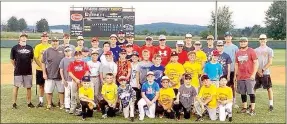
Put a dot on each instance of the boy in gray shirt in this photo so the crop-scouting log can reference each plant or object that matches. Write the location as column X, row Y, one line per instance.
column 144, row 67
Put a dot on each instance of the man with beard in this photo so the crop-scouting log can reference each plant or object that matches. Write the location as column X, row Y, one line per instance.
column 66, row 43
column 209, row 47
column 246, row 66
column 21, row 58
column 121, row 42
column 188, row 43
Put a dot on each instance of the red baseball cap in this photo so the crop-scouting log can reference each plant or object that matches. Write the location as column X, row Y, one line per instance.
column 215, row 53
column 66, row 35
column 109, row 53
column 95, row 39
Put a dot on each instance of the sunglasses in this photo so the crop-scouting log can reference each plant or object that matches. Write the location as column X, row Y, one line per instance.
column 180, row 46
column 262, row 39
column 197, row 44
column 219, row 45
column 55, row 41
column 162, row 40
column 187, row 78
column 148, row 39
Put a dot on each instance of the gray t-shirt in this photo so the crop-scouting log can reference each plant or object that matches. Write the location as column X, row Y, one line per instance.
column 70, row 46
column 100, row 50
column 109, row 67
column 64, row 64
column 224, row 60
column 52, row 59
column 143, row 68
column 231, row 50
column 263, row 54
column 187, row 95
column 208, row 51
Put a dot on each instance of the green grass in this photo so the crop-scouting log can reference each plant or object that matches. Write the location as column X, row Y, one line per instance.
column 39, row 115
column 279, row 54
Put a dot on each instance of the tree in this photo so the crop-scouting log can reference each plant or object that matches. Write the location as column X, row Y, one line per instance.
column 173, row 33
column 204, row 34
column 42, row 25
column 275, row 20
column 145, row 32
column 22, row 24
column 246, row 32
column 161, row 32
column 224, row 21
column 13, row 24
column 4, row 26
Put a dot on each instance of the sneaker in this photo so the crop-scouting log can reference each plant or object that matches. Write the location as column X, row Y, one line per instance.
column 40, row 105
column 67, row 110
column 132, row 119
column 83, row 118
column 141, row 118
column 62, row 107
column 30, row 105
column 199, row 118
column 14, row 106
column 252, row 112
column 48, row 107
column 243, row 110
column 230, row 119
column 270, row 108
column 104, row 116
column 160, row 115
column 72, row 111
column 248, row 109
column 235, row 106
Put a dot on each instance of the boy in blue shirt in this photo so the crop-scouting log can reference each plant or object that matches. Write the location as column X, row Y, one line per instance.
column 157, row 69
column 213, row 69
column 150, row 93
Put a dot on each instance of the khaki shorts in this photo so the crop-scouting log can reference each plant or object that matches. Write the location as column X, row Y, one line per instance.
column 50, row 85
column 23, row 80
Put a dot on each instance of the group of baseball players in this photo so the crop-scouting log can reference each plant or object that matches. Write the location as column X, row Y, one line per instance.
column 122, row 77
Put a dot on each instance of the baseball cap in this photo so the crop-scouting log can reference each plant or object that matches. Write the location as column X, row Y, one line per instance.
column 44, row 34
column 219, row 43
column 188, row 36
column 123, row 51
column 148, row 38
column 161, row 37
column 95, row 39
column 77, row 53
column 23, row 34
column 129, row 34
column 243, row 39
column 121, row 32
column 150, row 73
column 164, row 78
column 85, row 49
column 55, row 39
column 204, row 77
column 173, row 53
column 68, row 49
column 113, row 35
column 210, row 37
column 122, row 78
column 129, row 44
column 66, row 35
column 227, row 34
column 197, row 42
column 94, row 52
column 215, row 53
column 262, row 36
column 180, row 42
column 86, row 79
column 187, row 76
column 80, row 38
column 135, row 53
column 109, row 53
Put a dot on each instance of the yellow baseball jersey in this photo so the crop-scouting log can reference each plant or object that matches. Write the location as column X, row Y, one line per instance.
column 200, row 57
column 110, row 91
column 78, row 48
column 87, row 92
column 166, row 95
column 206, row 92
column 174, row 71
column 194, row 69
column 38, row 52
column 224, row 93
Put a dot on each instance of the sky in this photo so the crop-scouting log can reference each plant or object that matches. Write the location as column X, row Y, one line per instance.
column 199, row 13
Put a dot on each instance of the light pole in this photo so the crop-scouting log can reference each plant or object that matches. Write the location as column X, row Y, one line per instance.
column 215, row 26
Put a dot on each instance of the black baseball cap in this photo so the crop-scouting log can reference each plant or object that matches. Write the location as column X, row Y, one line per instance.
column 86, row 79
column 227, row 34
column 135, row 53
column 204, row 77
column 123, row 51
column 173, row 53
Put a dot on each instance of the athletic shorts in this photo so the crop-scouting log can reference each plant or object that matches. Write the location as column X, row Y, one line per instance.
column 51, row 84
column 23, row 80
column 245, row 86
column 231, row 82
column 264, row 82
column 39, row 78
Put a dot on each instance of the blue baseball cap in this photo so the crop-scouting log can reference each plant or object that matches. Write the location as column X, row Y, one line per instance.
column 227, row 34
column 86, row 79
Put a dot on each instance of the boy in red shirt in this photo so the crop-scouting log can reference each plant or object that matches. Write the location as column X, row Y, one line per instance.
column 163, row 50
column 130, row 38
column 77, row 70
column 182, row 54
column 148, row 46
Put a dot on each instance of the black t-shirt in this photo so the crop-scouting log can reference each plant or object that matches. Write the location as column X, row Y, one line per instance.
column 121, row 45
column 23, row 56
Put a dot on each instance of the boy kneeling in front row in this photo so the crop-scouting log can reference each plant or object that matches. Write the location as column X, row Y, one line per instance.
column 224, row 99
column 86, row 96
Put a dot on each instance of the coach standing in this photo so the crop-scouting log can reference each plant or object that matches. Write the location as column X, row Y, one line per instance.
column 246, row 66
column 38, row 54
column 22, row 57
column 163, row 50
column 66, row 43
column 209, row 48
column 51, row 73
column 188, row 43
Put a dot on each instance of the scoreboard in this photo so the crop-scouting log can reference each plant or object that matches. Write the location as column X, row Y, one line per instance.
column 101, row 21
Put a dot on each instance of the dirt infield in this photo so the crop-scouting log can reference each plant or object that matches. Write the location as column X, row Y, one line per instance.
column 278, row 74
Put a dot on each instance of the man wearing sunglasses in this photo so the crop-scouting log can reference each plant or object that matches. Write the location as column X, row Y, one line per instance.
column 182, row 54
column 209, row 47
column 265, row 56
column 188, row 43
column 163, row 50
column 148, row 46
column 38, row 53
column 246, row 66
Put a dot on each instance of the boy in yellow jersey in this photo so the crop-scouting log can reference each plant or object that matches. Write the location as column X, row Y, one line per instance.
column 201, row 57
column 110, row 95
column 86, row 96
column 38, row 54
column 174, row 71
column 80, row 42
column 193, row 68
column 206, row 99
column 224, row 100
column 165, row 100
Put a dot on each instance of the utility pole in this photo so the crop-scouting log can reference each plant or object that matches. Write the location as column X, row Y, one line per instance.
column 215, row 26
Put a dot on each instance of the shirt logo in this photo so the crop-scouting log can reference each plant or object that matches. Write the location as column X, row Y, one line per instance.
column 164, row 53
column 24, row 51
column 243, row 58
column 149, row 90
column 78, row 68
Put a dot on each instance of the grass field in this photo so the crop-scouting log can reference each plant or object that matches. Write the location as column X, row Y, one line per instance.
column 40, row 115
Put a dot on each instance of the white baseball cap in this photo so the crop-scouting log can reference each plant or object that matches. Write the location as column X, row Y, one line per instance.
column 263, row 36
column 80, row 38
column 150, row 73
column 179, row 42
column 197, row 42
column 113, row 35
column 164, row 78
column 161, row 37
column 188, row 35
